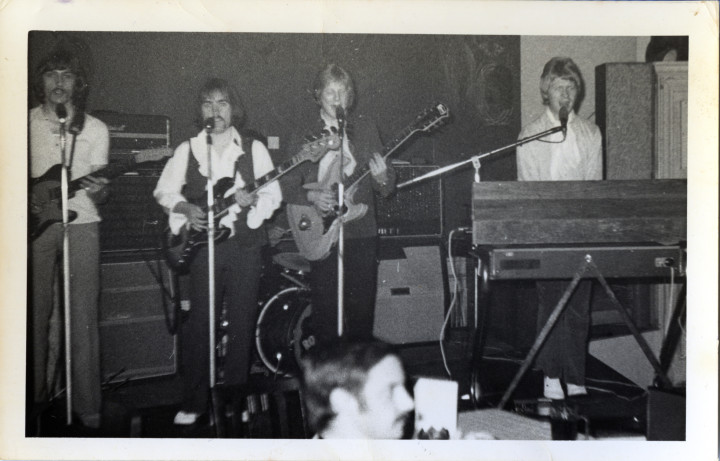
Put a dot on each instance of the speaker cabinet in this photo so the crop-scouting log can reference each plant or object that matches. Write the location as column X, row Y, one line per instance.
column 415, row 210
column 625, row 114
column 131, row 218
column 410, row 302
column 136, row 315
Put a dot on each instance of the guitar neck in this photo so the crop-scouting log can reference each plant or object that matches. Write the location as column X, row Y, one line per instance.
column 388, row 149
column 262, row 181
column 110, row 171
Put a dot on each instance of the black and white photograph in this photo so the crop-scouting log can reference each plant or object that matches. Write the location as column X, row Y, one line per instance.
column 252, row 232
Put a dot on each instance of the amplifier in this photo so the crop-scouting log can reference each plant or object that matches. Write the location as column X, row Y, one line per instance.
column 414, row 210
column 131, row 218
column 133, row 132
column 136, row 318
column 562, row 262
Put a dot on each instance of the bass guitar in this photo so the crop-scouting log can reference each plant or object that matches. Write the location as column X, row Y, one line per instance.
column 314, row 233
column 46, row 194
column 181, row 247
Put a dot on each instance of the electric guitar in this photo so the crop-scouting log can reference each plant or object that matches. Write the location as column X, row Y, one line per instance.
column 45, row 207
column 180, row 248
column 314, row 233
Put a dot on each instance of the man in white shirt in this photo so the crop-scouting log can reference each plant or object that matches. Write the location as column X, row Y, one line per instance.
column 60, row 84
column 571, row 156
column 182, row 191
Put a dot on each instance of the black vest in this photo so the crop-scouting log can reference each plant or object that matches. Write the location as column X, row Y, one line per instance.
column 195, row 191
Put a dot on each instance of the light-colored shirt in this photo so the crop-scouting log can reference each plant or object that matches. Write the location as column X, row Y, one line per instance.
column 578, row 157
column 168, row 191
column 330, row 159
column 91, row 154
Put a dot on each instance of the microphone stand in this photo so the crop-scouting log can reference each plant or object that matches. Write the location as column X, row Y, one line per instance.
column 341, row 225
column 211, row 254
column 475, row 160
column 64, row 193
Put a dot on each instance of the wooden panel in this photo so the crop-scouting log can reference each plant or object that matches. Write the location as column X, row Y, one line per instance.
column 552, row 212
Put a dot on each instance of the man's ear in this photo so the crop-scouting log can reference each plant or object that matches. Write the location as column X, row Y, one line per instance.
column 343, row 402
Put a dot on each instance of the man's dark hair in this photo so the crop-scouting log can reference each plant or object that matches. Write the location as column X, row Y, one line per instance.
column 63, row 59
column 222, row 86
column 340, row 364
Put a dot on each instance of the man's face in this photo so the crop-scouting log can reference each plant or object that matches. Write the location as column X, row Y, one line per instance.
column 217, row 106
column 59, row 85
column 385, row 403
column 334, row 94
column 562, row 92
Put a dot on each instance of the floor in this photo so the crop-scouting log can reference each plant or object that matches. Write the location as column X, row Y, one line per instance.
column 146, row 407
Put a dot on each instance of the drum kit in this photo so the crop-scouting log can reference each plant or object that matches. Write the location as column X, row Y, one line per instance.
column 279, row 337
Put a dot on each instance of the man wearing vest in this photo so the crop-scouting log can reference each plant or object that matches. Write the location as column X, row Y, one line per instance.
column 181, row 190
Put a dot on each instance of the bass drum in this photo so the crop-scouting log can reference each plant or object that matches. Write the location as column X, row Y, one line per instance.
column 279, row 332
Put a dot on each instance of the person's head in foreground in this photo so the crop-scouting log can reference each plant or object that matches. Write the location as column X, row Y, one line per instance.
column 356, row 390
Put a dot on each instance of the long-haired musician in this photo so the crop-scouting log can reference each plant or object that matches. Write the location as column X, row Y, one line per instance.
column 576, row 155
column 60, row 83
column 334, row 89
column 182, row 191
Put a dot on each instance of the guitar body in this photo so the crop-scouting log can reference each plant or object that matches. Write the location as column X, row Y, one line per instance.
column 46, row 207
column 315, row 234
column 181, row 248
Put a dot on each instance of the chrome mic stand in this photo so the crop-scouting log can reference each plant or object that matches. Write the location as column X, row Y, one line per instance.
column 475, row 159
column 340, row 116
column 61, row 113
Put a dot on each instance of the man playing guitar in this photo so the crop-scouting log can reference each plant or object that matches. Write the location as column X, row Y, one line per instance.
column 333, row 89
column 181, row 190
column 60, row 84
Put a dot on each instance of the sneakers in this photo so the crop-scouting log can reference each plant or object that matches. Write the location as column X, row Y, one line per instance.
column 185, row 418
column 575, row 390
column 553, row 389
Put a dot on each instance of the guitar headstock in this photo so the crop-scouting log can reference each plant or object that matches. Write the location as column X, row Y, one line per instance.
column 432, row 118
column 315, row 150
column 153, row 155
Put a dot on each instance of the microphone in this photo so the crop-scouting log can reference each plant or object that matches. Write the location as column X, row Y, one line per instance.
column 563, row 119
column 61, row 113
column 209, row 124
column 340, row 115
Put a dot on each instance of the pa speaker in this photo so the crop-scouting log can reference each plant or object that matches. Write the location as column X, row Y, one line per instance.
column 410, row 302
column 137, row 320
column 626, row 116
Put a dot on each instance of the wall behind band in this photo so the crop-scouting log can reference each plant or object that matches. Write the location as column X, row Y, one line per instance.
column 396, row 77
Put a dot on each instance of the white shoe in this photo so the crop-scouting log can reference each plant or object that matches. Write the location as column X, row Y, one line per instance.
column 185, row 418
column 553, row 389
column 574, row 390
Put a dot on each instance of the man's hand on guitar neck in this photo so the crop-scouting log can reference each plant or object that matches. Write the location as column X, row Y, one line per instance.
column 194, row 214
column 324, row 200
column 245, row 199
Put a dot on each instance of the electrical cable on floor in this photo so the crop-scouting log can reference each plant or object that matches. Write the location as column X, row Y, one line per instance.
column 452, row 302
